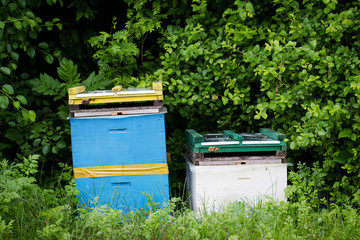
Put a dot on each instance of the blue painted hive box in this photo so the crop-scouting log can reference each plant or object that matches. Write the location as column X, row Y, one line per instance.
column 119, row 158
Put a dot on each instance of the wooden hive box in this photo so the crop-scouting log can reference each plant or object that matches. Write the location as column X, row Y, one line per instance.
column 211, row 188
column 117, row 101
column 119, row 158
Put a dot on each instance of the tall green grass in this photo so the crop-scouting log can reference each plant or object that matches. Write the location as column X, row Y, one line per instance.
column 30, row 212
column 270, row 220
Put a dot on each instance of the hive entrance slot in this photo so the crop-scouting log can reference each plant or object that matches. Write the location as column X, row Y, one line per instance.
column 121, row 184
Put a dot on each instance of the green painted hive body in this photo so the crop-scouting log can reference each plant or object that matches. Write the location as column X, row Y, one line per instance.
column 264, row 141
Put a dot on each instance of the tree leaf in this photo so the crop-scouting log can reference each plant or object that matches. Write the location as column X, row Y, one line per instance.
column 8, row 89
column 61, row 144
column 22, row 99
column 21, row 3
column 225, row 100
column 321, row 132
column 249, row 7
column 46, row 148
column 18, row 25
column 49, row 59
column 33, row 34
column 242, row 14
column 46, row 85
column 345, row 133
column 43, row 45
column 37, row 142
column 5, row 70
column 32, row 116
column 4, row 102
column 16, row 104
column 15, row 56
column 25, row 114
column 68, row 71
column 31, row 52
column 54, row 149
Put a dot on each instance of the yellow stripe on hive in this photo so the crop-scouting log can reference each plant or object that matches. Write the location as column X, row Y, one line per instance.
column 121, row 170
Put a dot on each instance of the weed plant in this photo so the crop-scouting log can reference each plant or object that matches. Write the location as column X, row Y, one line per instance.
column 30, row 212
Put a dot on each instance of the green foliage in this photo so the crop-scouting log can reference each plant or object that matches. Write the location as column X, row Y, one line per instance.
column 122, row 55
column 19, row 43
column 307, row 185
column 19, row 27
column 240, row 65
column 23, row 202
column 68, row 73
column 295, row 71
column 29, row 212
column 287, row 65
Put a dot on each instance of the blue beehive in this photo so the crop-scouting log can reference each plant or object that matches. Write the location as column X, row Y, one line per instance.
column 119, row 158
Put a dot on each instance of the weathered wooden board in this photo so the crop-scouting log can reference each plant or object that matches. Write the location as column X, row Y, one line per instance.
column 118, row 109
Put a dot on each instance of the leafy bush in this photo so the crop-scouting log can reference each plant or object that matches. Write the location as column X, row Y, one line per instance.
column 295, row 71
column 25, row 207
column 239, row 65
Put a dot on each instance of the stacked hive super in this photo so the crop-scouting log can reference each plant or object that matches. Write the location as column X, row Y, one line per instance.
column 228, row 167
column 118, row 146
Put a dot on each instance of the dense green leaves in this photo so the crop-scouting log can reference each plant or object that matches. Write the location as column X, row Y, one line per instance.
column 292, row 71
column 292, row 66
column 46, row 85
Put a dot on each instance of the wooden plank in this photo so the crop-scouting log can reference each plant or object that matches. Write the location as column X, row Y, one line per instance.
column 116, row 109
column 281, row 154
column 76, row 90
column 157, row 86
column 116, row 89
column 193, row 137
column 115, row 99
column 78, row 95
column 193, row 155
column 220, row 143
column 115, row 112
column 233, row 135
column 272, row 134
column 260, row 142
column 237, row 148
column 239, row 162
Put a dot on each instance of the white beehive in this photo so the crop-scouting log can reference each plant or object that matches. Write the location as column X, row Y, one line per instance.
column 211, row 188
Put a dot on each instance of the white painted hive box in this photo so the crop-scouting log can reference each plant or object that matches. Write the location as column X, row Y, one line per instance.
column 211, row 188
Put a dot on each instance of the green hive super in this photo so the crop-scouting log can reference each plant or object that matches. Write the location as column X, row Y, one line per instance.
column 118, row 147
